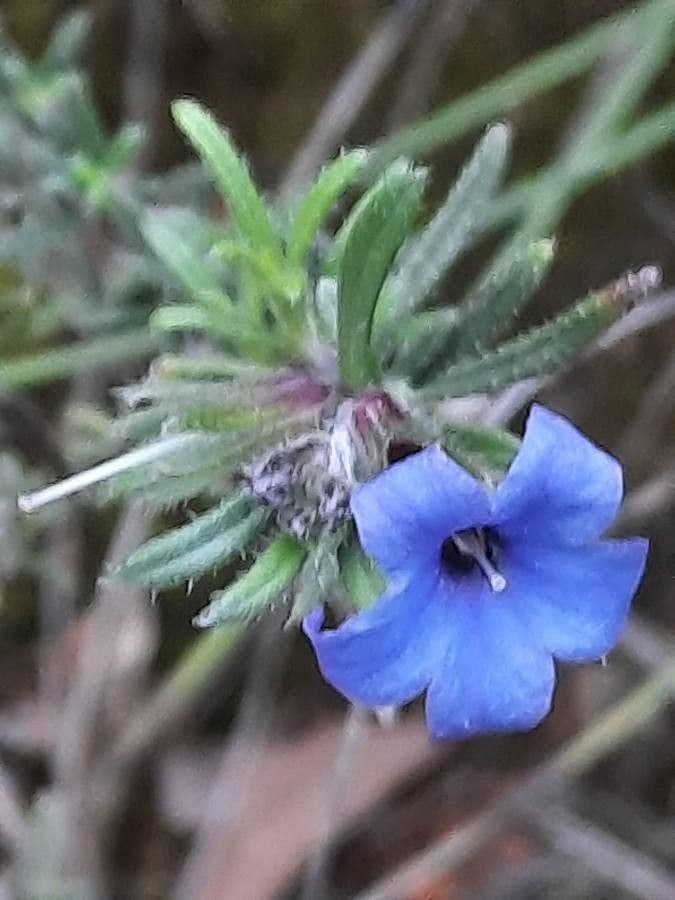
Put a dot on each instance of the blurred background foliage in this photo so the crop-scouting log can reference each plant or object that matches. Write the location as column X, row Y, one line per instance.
column 95, row 802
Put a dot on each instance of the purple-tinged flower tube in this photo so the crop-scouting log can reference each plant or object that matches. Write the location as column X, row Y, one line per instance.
column 485, row 586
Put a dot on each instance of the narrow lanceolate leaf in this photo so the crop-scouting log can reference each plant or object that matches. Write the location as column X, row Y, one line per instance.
column 313, row 209
column 323, row 308
column 245, row 421
column 178, row 238
column 139, row 425
column 537, row 352
column 498, row 297
column 287, row 282
column 373, row 235
column 185, row 394
column 174, row 490
column 231, row 175
column 269, row 576
column 126, row 144
column 426, row 258
column 360, row 575
column 74, row 114
column 489, row 450
column 432, row 339
column 67, row 41
column 86, row 356
column 210, row 367
column 227, row 449
column 183, row 317
column 192, row 558
column 414, row 347
column 163, row 549
column 319, row 578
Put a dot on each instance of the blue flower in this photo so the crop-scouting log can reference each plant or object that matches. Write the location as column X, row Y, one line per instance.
column 485, row 586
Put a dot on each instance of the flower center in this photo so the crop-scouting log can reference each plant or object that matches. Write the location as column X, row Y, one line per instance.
column 467, row 550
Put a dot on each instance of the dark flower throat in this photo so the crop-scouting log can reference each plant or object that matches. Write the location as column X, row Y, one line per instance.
column 467, row 550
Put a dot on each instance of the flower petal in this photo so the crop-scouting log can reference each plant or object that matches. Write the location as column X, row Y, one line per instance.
column 386, row 654
column 575, row 602
column 493, row 677
column 404, row 514
column 560, row 488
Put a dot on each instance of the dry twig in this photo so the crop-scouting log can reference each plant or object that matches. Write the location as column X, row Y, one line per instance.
column 603, row 735
column 229, row 792
column 439, row 35
column 612, row 860
column 352, row 91
column 338, row 783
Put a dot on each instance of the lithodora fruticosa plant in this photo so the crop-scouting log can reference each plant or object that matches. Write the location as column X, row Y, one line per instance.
column 313, row 357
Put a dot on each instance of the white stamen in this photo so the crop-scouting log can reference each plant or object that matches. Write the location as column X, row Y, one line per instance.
column 497, row 582
column 31, row 502
column 495, row 579
column 473, row 545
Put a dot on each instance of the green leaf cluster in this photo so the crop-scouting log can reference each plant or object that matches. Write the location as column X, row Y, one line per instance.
column 248, row 279
column 302, row 316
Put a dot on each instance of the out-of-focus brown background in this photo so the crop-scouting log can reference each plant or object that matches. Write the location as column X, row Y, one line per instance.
column 243, row 798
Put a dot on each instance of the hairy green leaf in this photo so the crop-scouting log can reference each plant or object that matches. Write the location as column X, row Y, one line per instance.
column 231, row 175
column 138, row 425
column 426, row 257
column 498, row 297
column 362, row 578
column 251, row 594
column 414, row 347
column 178, row 237
column 181, row 317
column 197, row 548
column 241, row 420
column 181, row 394
column 312, row 210
column 285, row 282
column 241, row 336
column 489, row 449
column 211, row 367
column 162, row 549
column 205, row 453
column 318, row 579
column 537, row 352
column 373, row 234
column 201, row 451
column 323, row 308
column 68, row 110
column 67, row 41
column 124, row 147
column 173, row 490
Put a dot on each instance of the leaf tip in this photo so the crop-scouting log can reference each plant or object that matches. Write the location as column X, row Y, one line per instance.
column 181, row 108
column 499, row 133
column 204, row 618
column 544, row 250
